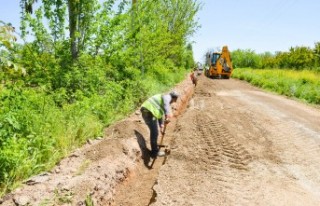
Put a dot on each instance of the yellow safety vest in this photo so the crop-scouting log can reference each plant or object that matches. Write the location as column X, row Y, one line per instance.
column 155, row 105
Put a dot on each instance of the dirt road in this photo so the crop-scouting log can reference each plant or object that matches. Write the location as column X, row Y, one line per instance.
column 233, row 145
column 237, row 145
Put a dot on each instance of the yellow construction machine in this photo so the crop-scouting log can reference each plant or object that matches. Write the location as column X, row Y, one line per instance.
column 219, row 64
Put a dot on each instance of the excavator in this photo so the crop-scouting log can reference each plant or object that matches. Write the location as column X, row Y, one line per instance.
column 220, row 64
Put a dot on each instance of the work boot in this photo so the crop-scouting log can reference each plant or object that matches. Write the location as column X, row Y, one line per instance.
column 161, row 154
column 156, row 154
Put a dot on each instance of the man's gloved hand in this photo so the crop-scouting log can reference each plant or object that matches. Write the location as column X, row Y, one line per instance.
column 168, row 117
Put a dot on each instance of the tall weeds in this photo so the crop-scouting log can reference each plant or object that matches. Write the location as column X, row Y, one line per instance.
column 38, row 128
column 302, row 84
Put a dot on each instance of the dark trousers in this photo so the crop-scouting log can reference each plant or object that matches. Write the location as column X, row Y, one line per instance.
column 152, row 123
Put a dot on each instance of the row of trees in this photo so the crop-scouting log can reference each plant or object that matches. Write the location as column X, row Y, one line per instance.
column 82, row 65
column 299, row 57
column 134, row 35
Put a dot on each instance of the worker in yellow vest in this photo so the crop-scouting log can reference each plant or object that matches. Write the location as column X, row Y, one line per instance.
column 156, row 111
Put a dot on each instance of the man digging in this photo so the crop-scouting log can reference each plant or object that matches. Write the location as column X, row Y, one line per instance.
column 156, row 111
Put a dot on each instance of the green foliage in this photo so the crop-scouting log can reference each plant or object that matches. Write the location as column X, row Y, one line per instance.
column 6, row 35
column 158, row 31
column 188, row 56
column 300, row 84
column 9, row 70
column 300, row 57
column 296, row 58
column 245, row 58
column 63, row 196
column 34, row 133
column 112, row 60
column 88, row 201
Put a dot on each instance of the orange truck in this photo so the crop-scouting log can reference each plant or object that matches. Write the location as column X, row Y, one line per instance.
column 219, row 64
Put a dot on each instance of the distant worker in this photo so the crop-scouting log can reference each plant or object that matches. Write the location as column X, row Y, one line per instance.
column 193, row 77
column 153, row 110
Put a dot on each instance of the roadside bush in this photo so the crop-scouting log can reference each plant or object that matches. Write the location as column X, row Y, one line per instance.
column 303, row 84
column 35, row 133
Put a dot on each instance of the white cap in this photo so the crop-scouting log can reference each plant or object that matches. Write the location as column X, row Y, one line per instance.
column 174, row 94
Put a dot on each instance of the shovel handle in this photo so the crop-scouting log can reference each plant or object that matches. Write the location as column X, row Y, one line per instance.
column 163, row 133
column 161, row 141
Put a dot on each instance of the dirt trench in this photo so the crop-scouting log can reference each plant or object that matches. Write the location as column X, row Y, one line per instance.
column 231, row 144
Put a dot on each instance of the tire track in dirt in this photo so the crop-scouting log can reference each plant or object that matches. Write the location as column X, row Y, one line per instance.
column 222, row 146
column 214, row 154
column 290, row 143
column 235, row 147
column 293, row 143
column 230, row 163
column 225, row 156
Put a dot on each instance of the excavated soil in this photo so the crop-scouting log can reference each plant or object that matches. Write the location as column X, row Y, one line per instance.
column 231, row 144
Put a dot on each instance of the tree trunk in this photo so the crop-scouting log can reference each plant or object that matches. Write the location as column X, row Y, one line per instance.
column 73, row 25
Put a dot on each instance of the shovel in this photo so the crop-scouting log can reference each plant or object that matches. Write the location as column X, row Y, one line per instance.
column 167, row 150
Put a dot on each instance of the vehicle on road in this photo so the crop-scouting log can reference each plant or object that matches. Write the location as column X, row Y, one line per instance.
column 219, row 64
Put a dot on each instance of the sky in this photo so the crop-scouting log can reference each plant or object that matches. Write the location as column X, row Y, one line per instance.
column 259, row 25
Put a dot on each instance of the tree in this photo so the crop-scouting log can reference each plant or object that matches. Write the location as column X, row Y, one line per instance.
column 81, row 15
column 246, row 58
column 301, row 57
column 317, row 54
column 267, row 60
column 8, row 68
column 160, row 31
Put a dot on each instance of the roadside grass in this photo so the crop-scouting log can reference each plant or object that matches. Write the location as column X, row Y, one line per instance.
column 36, row 133
column 301, row 84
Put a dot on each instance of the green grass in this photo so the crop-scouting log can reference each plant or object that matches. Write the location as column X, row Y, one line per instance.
column 303, row 84
column 36, row 133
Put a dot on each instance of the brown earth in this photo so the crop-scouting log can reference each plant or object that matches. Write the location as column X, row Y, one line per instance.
column 233, row 145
